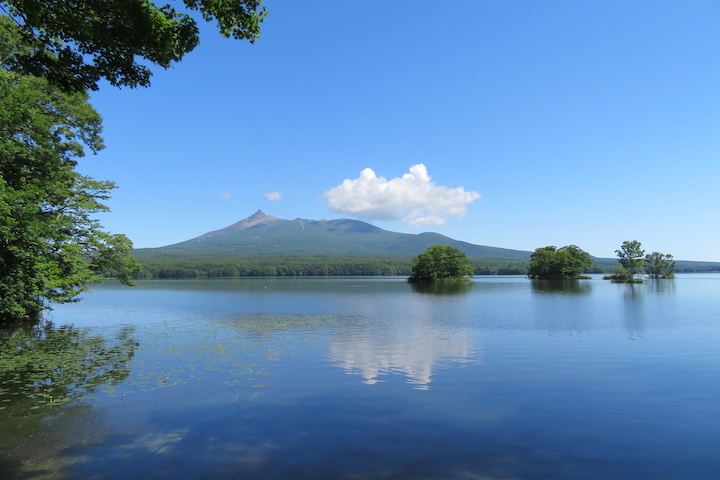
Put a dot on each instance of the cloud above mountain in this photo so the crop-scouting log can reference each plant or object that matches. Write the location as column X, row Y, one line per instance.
column 413, row 198
column 273, row 196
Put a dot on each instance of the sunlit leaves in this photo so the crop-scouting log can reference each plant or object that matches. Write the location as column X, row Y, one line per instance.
column 660, row 265
column 76, row 44
column 440, row 262
column 631, row 257
column 564, row 262
column 51, row 243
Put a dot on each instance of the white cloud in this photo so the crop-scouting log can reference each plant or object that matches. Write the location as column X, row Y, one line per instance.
column 225, row 195
column 274, row 196
column 414, row 198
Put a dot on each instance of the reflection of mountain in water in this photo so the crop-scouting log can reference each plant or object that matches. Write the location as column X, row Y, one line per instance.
column 416, row 354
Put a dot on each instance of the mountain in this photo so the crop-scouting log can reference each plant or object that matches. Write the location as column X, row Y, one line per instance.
column 263, row 245
column 265, row 235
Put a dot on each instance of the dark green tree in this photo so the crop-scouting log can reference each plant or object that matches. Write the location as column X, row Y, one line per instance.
column 564, row 262
column 51, row 53
column 632, row 257
column 76, row 43
column 440, row 262
column 659, row 265
column 50, row 245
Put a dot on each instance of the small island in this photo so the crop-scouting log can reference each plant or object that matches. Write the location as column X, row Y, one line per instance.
column 441, row 263
column 634, row 261
column 556, row 263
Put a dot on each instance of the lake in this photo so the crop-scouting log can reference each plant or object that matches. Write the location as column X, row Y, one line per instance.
column 373, row 378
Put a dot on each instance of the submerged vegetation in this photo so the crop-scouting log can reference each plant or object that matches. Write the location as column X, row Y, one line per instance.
column 45, row 365
column 622, row 275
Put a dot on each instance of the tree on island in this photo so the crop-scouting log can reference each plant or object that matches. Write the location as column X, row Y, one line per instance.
column 660, row 265
column 440, row 262
column 634, row 261
column 51, row 52
column 632, row 258
column 564, row 262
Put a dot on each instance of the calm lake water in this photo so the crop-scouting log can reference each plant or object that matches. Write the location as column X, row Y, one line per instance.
column 364, row 378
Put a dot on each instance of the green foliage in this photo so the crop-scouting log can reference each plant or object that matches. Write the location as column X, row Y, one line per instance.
column 264, row 235
column 564, row 262
column 157, row 265
column 496, row 266
column 288, row 266
column 51, row 53
column 631, row 257
column 622, row 275
column 51, row 245
column 76, row 44
column 440, row 262
column 659, row 265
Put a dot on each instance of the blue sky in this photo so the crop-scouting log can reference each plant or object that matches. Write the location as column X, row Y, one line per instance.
column 515, row 124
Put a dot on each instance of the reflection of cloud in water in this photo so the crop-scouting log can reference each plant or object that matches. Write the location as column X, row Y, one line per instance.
column 416, row 354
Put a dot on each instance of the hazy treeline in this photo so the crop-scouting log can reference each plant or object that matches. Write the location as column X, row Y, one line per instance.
column 272, row 267
column 607, row 265
column 173, row 267
column 300, row 266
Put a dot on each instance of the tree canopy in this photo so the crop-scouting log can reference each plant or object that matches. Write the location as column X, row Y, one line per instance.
column 50, row 243
column 440, row 262
column 634, row 261
column 631, row 257
column 75, row 44
column 660, row 265
column 51, row 53
column 564, row 262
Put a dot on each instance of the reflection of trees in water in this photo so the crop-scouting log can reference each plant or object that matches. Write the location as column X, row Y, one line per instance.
column 634, row 308
column 633, row 291
column 48, row 365
column 443, row 288
column 661, row 285
column 561, row 285
column 45, row 364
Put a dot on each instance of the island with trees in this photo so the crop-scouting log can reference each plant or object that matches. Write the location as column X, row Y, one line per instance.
column 564, row 262
column 634, row 262
column 441, row 263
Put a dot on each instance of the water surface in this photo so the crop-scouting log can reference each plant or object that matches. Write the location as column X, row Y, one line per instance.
column 358, row 378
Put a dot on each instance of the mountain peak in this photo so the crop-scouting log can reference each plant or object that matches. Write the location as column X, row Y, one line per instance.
column 261, row 234
column 255, row 219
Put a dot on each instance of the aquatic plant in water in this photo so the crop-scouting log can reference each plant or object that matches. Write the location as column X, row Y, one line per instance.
column 47, row 365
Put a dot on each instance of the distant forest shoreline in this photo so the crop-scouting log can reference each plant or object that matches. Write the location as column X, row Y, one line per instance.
column 161, row 266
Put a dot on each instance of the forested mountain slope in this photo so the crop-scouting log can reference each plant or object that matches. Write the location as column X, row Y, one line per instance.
column 265, row 235
column 265, row 245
